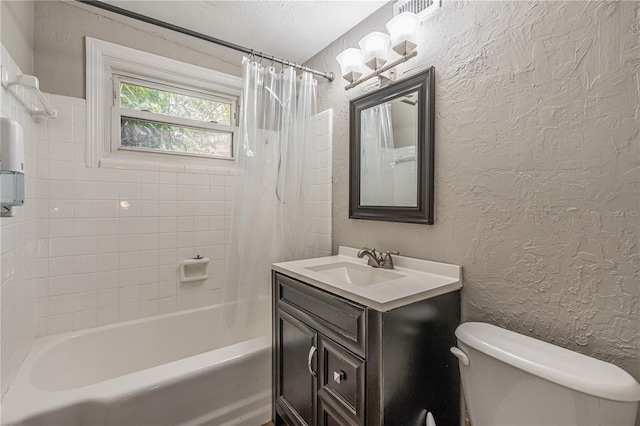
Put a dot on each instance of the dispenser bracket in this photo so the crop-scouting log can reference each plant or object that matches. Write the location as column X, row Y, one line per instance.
column 29, row 82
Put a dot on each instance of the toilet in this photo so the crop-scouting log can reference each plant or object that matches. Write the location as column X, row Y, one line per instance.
column 510, row 379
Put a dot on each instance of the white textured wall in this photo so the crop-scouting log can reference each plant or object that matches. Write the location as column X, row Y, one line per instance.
column 17, row 247
column 537, row 166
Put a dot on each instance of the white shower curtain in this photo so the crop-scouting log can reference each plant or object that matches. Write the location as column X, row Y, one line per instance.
column 270, row 208
column 377, row 178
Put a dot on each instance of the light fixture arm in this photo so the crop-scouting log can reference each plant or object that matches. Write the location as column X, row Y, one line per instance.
column 400, row 60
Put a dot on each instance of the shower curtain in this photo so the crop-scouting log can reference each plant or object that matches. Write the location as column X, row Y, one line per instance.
column 270, row 213
column 377, row 178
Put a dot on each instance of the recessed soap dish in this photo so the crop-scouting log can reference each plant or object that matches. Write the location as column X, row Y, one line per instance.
column 194, row 269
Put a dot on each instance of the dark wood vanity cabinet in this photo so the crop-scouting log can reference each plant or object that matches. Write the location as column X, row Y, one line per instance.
column 337, row 362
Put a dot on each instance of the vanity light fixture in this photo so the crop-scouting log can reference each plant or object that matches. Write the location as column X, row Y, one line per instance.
column 403, row 38
column 375, row 49
column 350, row 61
column 404, row 32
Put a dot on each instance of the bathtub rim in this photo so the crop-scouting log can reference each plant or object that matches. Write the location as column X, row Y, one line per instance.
column 23, row 400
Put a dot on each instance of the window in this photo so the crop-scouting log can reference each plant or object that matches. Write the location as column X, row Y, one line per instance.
column 152, row 116
column 144, row 107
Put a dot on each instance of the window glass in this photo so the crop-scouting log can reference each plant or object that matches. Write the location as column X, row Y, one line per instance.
column 136, row 133
column 158, row 101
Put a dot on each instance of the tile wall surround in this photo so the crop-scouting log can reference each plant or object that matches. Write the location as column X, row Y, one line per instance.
column 17, row 247
column 109, row 240
column 98, row 246
column 319, row 183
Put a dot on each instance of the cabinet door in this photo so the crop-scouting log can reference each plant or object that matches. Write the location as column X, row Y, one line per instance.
column 341, row 376
column 295, row 370
column 330, row 416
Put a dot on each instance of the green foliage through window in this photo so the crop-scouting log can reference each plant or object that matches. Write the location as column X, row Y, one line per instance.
column 205, row 134
column 174, row 104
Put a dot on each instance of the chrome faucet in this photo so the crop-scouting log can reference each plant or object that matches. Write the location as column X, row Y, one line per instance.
column 378, row 260
column 375, row 259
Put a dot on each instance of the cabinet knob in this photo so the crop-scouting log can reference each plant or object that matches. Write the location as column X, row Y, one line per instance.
column 338, row 377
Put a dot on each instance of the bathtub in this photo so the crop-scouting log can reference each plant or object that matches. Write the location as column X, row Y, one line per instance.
column 175, row 369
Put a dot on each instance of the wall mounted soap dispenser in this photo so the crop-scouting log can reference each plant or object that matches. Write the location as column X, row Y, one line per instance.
column 11, row 165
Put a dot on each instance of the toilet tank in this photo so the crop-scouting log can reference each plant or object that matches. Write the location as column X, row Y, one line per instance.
column 512, row 380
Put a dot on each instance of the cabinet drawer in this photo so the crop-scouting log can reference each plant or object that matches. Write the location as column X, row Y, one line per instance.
column 333, row 316
column 342, row 379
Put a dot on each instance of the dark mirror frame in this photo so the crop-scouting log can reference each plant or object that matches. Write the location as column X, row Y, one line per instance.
column 424, row 83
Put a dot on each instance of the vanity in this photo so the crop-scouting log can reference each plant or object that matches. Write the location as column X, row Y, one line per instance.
column 357, row 345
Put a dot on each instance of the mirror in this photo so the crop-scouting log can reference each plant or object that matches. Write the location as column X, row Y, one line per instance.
column 391, row 152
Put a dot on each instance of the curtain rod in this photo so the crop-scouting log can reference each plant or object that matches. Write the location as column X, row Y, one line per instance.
column 120, row 11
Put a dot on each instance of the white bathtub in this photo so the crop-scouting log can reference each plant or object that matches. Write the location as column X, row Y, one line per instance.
column 175, row 369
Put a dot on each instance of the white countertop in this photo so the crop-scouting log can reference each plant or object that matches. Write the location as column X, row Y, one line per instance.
column 421, row 279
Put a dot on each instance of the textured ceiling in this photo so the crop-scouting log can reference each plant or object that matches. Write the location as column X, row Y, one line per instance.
column 293, row 30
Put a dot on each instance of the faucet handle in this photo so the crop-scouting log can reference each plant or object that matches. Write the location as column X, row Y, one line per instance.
column 387, row 260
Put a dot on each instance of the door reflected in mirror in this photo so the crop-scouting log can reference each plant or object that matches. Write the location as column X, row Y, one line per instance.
column 389, row 141
column 391, row 151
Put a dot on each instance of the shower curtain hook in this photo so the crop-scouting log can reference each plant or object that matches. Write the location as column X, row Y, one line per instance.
column 261, row 58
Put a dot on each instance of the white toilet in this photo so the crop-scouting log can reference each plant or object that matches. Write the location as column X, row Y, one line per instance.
column 510, row 379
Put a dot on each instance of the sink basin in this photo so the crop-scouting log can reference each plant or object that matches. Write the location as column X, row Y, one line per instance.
column 349, row 277
column 355, row 274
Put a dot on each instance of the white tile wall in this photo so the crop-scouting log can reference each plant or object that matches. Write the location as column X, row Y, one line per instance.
column 319, row 180
column 17, row 248
column 110, row 239
column 98, row 246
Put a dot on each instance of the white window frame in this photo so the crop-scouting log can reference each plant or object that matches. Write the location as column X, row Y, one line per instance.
column 107, row 62
column 117, row 113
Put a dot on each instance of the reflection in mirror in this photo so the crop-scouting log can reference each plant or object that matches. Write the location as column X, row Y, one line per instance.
column 389, row 138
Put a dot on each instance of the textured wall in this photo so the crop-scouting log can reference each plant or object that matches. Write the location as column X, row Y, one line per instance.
column 537, row 166
column 60, row 47
column 17, row 32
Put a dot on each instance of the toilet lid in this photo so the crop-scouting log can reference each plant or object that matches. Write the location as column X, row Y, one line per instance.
column 553, row 363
